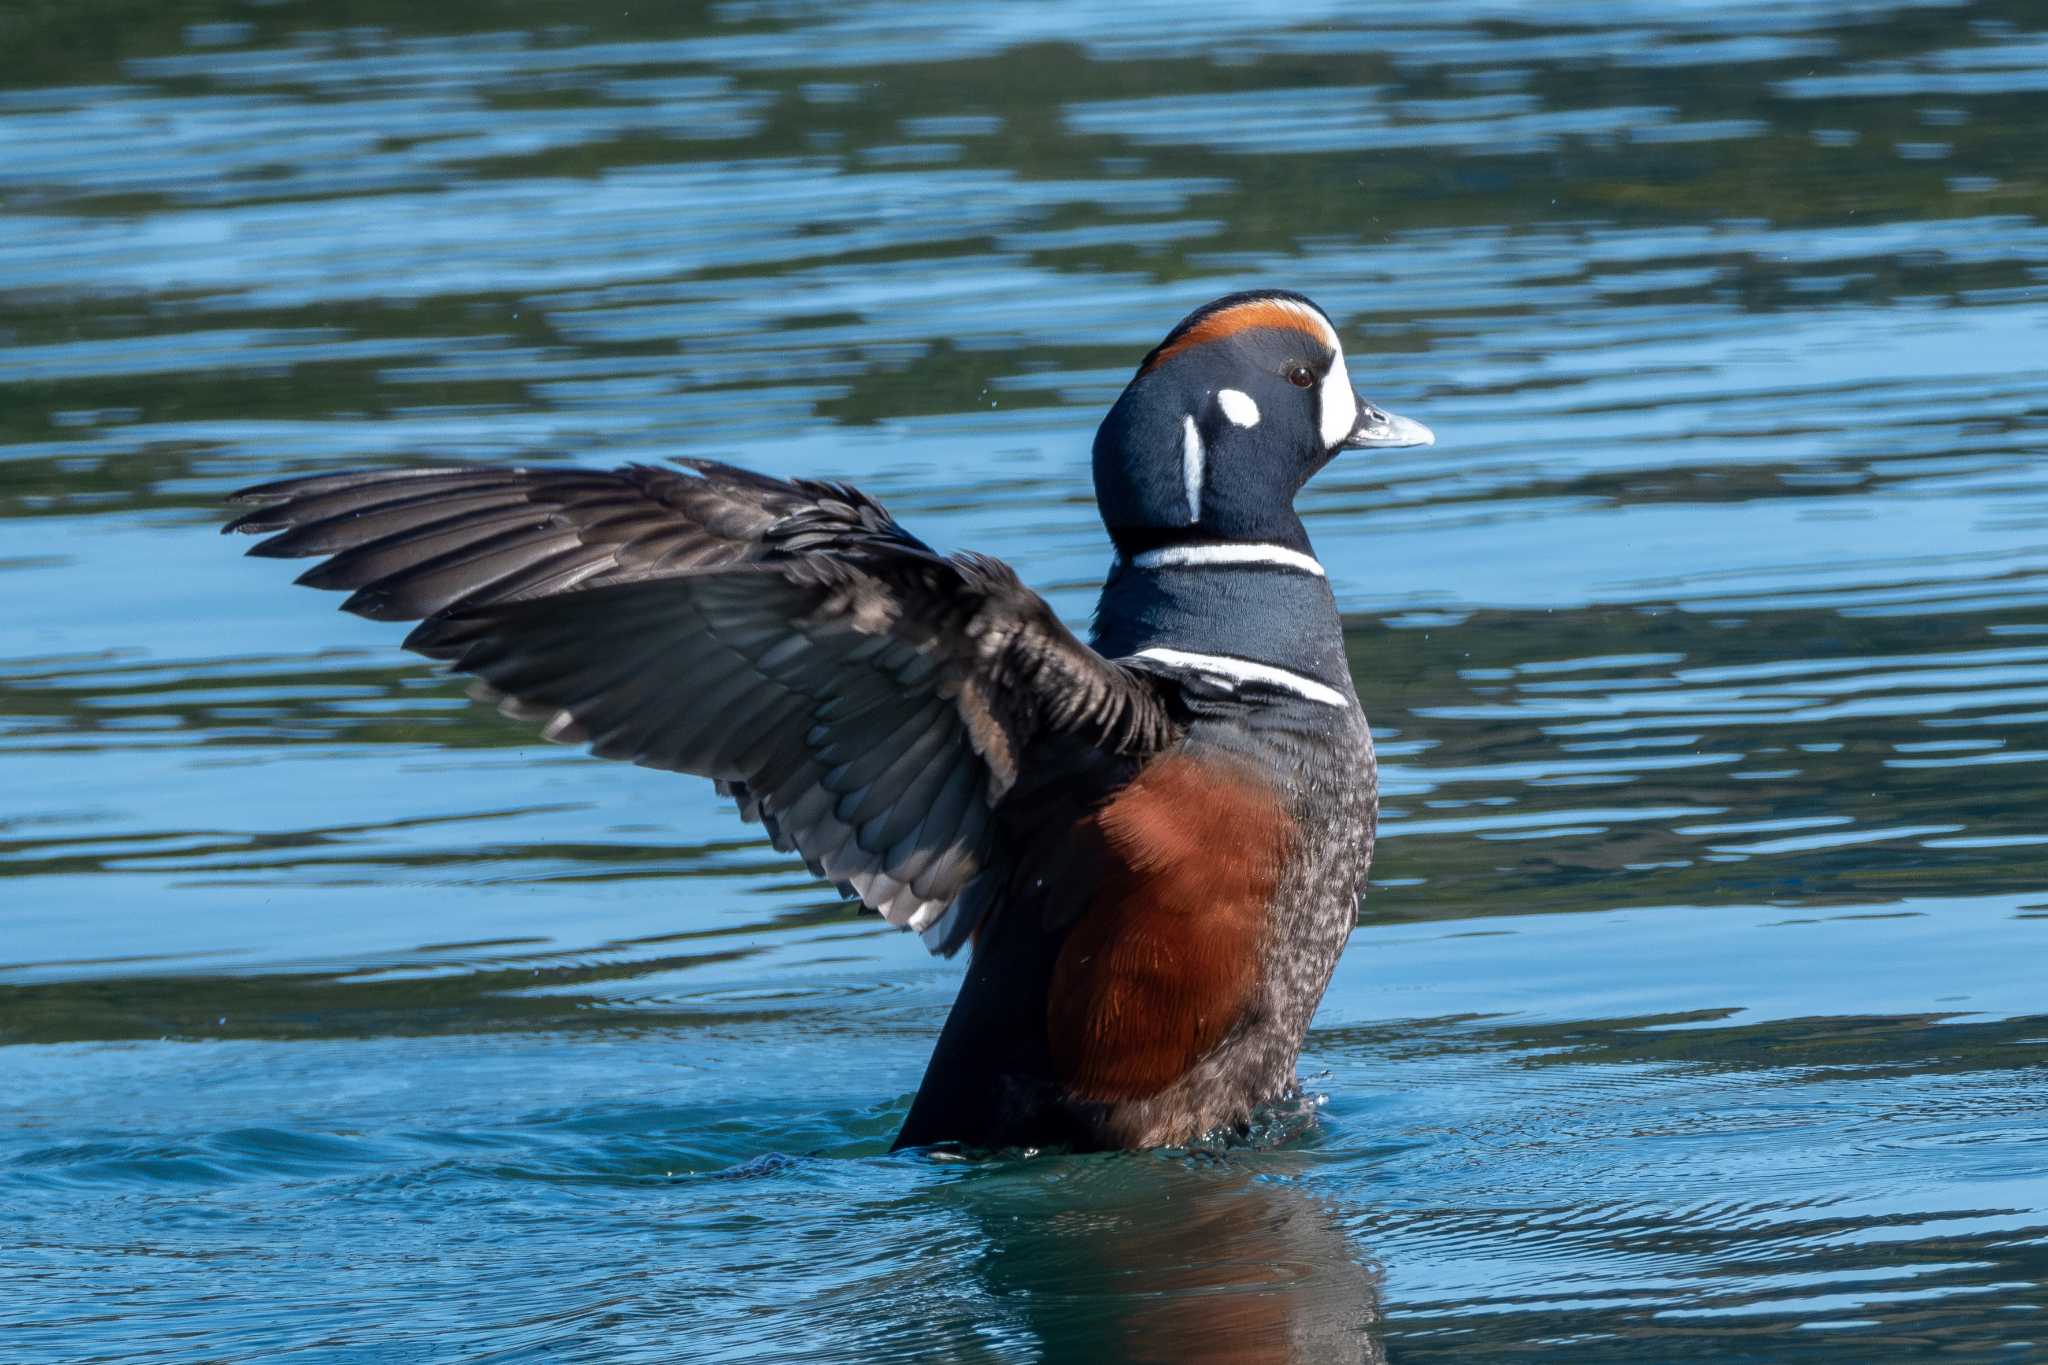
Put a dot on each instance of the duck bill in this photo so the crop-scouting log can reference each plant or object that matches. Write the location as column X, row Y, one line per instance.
column 1378, row 429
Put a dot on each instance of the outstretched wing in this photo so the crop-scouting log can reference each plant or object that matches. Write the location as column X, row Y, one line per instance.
column 867, row 699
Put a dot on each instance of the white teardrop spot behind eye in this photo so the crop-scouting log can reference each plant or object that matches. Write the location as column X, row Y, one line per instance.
column 1238, row 407
column 1339, row 403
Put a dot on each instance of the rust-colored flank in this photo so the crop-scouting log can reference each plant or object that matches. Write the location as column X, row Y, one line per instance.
column 1237, row 318
column 1164, row 960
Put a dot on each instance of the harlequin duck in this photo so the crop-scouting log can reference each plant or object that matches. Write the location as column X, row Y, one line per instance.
column 1153, row 843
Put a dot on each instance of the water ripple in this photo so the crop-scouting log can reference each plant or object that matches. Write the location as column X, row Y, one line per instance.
column 1694, row 1011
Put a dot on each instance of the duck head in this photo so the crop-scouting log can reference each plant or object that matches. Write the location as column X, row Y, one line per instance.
column 1227, row 419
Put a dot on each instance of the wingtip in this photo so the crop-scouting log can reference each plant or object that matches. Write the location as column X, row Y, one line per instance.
column 945, row 933
column 274, row 548
column 268, row 493
column 253, row 522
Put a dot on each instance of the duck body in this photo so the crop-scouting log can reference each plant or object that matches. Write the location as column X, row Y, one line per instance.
column 1169, row 929
column 1152, row 843
column 1157, row 985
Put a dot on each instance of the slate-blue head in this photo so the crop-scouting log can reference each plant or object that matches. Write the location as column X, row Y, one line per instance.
column 1225, row 421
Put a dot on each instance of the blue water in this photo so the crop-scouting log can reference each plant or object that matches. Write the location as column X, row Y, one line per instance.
column 1696, row 1011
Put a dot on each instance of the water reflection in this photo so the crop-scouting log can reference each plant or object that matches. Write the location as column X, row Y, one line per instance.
column 1171, row 1259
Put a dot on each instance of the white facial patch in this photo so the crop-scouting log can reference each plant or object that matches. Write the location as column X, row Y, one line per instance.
column 1339, row 402
column 1238, row 407
column 1193, row 461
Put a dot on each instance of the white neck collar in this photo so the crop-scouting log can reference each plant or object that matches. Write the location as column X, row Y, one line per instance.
column 1228, row 553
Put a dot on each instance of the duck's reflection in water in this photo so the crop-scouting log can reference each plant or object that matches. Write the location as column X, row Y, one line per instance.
column 1173, row 1258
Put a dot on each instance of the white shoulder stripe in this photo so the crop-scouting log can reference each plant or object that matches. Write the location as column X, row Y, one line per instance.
column 1192, row 459
column 1247, row 670
column 1201, row 556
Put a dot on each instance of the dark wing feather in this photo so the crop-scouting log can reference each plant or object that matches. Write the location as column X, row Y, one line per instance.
column 866, row 699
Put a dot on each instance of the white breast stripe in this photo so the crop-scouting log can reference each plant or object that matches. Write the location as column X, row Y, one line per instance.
column 1192, row 457
column 1202, row 556
column 1239, row 407
column 1246, row 670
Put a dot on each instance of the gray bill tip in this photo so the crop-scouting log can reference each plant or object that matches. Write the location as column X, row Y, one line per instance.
column 1378, row 429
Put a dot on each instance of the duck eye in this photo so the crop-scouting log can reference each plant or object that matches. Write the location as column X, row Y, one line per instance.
column 1302, row 377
